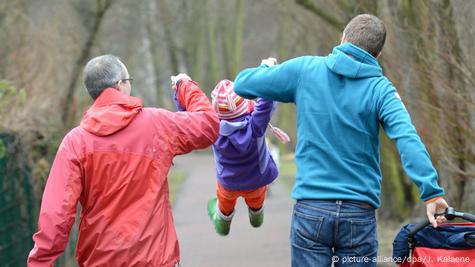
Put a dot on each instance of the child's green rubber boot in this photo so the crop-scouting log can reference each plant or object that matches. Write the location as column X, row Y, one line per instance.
column 256, row 218
column 222, row 223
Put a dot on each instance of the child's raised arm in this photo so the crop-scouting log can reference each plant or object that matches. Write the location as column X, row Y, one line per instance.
column 261, row 116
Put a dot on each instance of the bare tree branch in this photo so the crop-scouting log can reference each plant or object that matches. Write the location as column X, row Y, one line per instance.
column 332, row 21
column 102, row 7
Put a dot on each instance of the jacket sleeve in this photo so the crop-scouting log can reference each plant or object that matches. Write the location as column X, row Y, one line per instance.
column 277, row 83
column 195, row 128
column 261, row 116
column 414, row 157
column 58, row 207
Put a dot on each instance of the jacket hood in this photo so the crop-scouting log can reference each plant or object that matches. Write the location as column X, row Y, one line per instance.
column 111, row 112
column 226, row 128
column 353, row 62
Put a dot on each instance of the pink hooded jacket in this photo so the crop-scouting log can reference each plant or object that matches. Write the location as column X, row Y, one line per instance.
column 116, row 164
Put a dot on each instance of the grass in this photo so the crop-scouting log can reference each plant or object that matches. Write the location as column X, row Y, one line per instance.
column 176, row 178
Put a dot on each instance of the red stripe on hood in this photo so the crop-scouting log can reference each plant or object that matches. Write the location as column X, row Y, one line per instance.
column 111, row 112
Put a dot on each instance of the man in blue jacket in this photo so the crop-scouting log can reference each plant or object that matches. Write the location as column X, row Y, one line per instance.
column 341, row 101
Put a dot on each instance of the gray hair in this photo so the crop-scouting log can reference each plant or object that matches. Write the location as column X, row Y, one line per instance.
column 367, row 32
column 102, row 72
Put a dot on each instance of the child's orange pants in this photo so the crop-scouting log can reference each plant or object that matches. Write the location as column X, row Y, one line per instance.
column 227, row 198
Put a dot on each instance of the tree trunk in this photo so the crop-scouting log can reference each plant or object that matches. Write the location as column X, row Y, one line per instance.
column 232, row 44
column 213, row 72
column 456, row 117
column 172, row 48
column 153, row 49
column 238, row 30
column 101, row 9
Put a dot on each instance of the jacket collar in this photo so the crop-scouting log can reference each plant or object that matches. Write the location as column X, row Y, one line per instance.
column 112, row 96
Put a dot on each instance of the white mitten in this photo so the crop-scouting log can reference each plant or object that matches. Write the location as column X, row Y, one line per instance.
column 177, row 78
column 269, row 61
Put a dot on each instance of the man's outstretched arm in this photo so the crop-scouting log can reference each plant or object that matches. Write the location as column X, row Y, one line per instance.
column 277, row 83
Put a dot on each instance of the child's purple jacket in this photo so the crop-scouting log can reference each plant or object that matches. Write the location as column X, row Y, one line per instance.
column 243, row 161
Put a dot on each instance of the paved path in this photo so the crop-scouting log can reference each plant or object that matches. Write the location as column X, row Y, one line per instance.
column 245, row 246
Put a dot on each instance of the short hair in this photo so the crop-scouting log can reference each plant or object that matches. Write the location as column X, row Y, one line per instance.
column 367, row 32
column 102, row 72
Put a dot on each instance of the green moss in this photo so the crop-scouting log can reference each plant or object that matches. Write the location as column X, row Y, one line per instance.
column 414, row 193
column 10, row 96
column 3, row 150
column 394, row 187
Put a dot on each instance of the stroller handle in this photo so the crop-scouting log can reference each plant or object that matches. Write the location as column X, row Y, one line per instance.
column 468, row 217
column 449, row 214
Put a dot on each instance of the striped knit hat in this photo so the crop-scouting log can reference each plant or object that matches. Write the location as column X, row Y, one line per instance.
column 226, row 103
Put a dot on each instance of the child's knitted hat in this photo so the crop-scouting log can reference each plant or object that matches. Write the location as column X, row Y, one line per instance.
column 226, row 103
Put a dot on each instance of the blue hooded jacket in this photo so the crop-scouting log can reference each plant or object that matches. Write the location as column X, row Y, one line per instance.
column 341, row 101
column 242, row 159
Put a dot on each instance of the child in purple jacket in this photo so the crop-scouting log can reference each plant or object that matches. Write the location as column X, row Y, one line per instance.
column 244, row 166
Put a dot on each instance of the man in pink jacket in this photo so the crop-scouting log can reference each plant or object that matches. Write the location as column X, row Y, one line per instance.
column 116, row 164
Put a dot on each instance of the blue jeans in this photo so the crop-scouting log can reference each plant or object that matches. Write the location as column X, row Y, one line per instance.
column 326, row 231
